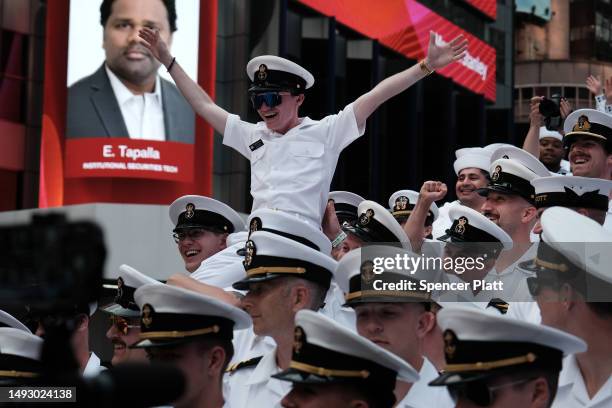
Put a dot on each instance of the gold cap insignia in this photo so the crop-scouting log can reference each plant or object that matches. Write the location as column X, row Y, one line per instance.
column 299, row 338
column 120, row 284
column 401, row 203
column 450, row 344
column 147, row 315
column 366, row 217
column 262, row 72
column 189, row 210
column 583, row 124
column 495, row 175
column 255, row 225
column 460, row 227
column 249, row 252
column 367, row 272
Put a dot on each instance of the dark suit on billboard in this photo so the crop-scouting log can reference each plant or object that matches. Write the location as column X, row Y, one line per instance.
column 93, row 110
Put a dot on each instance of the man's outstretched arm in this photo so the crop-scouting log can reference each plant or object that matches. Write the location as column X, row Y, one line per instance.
column 199, row 100
column 437, row 57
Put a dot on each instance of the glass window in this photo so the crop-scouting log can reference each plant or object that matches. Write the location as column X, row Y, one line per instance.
column 569, row 92
column 527, row 93
column 583, row 93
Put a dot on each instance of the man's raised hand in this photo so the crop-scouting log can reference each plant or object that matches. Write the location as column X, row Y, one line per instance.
column 439, row 56
column 432, row 191
column 154, row 43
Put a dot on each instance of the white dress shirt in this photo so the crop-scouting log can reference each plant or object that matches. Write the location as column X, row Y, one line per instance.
column 254, row 386
column 572, row 393
column 293, row 172
column 93, row 367
column 143, row 114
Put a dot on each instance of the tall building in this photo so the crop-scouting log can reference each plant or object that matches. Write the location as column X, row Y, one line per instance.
column 558, row 44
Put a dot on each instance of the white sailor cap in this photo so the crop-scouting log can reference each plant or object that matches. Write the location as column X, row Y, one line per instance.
column 128, row 281
column 194, row 211
column 471, row 226
column 270, row 256
column 172, row 315
column 511, row 171
column 585, row 264
column 20, row 353
column 469, row 157
column 376, row 224
column 588, row 123
column 326, row 352
column 479, row 345
column 272, row 73
column 7, row 320
column 544, row 132
column 572, row 191
column 289, row 226
column 360, row 268
column 346, row 204
column 402, row 202
column 491, row 148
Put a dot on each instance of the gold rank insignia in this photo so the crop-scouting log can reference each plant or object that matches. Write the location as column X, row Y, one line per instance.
column 299, row 338
column 460, row 227
column 189, row 210
column 495, row 175
column 367, row 272
column 249, row 252
column 147, row 315
column 255, row 225
column 366, row 217
column 583, row 124
column 450, row 344
column 262, row 72
column 401, row 203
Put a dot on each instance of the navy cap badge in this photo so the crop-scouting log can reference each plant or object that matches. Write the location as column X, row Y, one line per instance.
column 249, row 252
column 299, row 338
column 262, row 72
column 450, row 344
column 495, row 175
column 460, row 227
column 255, row 225
column 367, row 272
column 189, row 210
column 366, row 217
column 401, row 203
column 147, row 315
column 119, row 294
column 583, row 124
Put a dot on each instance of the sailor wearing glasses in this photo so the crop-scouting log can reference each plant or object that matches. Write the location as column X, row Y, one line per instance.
column 293, row 158
column 202, row 228
column 125, row 316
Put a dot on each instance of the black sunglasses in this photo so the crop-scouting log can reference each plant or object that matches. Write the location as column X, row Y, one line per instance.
column 271, row 99
column 480, row 392
column 535, row 284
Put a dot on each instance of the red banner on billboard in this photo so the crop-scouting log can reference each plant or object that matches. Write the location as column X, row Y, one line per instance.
column 129, row 158
column 487, row 7
column 404, row 26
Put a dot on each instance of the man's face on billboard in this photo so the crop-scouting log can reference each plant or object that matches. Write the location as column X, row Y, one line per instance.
column 125, row 55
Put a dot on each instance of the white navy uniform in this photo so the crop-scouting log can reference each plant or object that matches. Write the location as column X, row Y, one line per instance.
column 93, row 367
column 421, row 395
column 293, row 172
column 225, row 267
column 572, row 393
column 254, row 387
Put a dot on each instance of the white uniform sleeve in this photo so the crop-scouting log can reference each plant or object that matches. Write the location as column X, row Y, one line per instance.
column 238, row 135
column 600, row 102
column 344, row 130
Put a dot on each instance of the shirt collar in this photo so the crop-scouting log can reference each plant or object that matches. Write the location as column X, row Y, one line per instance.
column 123, row 94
